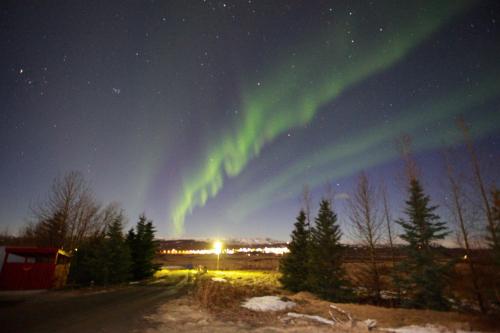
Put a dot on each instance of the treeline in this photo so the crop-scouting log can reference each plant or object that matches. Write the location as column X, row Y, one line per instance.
column 72, row 219
column 421, row 278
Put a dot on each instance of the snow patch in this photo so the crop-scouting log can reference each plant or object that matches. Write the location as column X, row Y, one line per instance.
column 314, row 318
column 219, row 279
column 388, row 294
column 336, row 308
column 370, row 323
column 267, row 303
column 428, row 328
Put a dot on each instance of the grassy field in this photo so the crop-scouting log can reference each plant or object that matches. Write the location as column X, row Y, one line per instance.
column 221, row 293
column 459, row 288
column 266, row 262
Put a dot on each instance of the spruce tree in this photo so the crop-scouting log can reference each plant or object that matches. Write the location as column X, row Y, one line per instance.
column 495, row 209
column 89, row 264
column 130, row 239
column 142, row 248
column 421, row 274
column 103, row 258
column 149, row 247
column 326, row 276
column 117, row 252
column 294, row 266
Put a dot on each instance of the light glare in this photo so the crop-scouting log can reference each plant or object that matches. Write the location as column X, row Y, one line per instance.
column 218, row 247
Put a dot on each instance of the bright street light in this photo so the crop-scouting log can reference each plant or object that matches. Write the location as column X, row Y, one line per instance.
column 218, row 247
column 218, row 250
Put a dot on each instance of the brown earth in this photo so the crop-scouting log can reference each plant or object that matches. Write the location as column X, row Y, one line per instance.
column 459, row 287
column 187, row 315
column 216, row 306
column 182, row 301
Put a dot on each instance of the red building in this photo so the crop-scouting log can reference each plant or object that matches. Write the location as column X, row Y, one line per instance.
column 25, row 268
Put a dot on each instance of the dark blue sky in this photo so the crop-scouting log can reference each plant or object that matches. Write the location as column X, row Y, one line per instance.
column 210, row 116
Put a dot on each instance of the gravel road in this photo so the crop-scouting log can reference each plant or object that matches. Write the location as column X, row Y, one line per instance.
column 116, row 310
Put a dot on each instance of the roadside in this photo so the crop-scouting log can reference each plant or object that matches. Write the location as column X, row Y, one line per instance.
column 218, row 302
column 118, row 309
column 183, row 301
column 184, row 314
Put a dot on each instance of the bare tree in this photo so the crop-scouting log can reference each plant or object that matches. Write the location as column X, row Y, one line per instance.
column 463, row 229
column 367, row 227
column 404, row 148
column 390, row 237
column 495, row 196
column 474, row 160
column 388, row 223
column 27, row 235
column 69, row 214
column 7, row 238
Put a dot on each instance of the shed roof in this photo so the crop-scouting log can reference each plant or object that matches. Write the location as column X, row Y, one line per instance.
column 35, row 250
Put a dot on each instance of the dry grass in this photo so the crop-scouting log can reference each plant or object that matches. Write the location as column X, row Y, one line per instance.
column 238, row 286
column 268, row 262
column 459, row 288
column 170, row 277
column 223, row 301
column 391, row 317
column 225, row 298
column 264, row 279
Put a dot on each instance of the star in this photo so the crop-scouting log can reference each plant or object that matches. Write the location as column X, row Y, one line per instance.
column 209, row 128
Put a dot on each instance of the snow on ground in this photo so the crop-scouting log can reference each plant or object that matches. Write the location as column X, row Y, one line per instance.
column 370, row 323
column 218, row 279
column 314, row 318
column 429, row 328
column 173, row 267
column 267, row 303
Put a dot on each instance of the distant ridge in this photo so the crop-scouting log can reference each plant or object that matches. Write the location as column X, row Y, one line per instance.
column 205, row 243
column 242, row 240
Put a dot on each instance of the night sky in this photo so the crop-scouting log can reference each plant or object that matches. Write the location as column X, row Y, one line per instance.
column 210, row 116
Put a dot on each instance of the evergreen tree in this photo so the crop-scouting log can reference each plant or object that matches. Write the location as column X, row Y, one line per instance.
column 420, row 273
column 130, row 239
column 294, row 266
column 495, row 209
column 326, row 276
column 103, row 258
column 142, row 248
column 89, row 263
column 149, row 247
column 117, row 252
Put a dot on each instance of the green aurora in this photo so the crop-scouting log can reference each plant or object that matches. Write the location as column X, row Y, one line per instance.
column 355, row 154
column 291, row 95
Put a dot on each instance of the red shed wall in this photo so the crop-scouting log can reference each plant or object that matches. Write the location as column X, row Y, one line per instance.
column 22, row 276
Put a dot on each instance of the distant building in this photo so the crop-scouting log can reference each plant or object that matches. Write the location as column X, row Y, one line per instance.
column 23, row 268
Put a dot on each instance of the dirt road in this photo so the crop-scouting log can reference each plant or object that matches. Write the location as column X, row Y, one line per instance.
column 119, row 310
